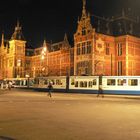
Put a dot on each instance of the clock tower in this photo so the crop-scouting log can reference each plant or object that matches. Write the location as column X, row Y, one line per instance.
column 16, row 59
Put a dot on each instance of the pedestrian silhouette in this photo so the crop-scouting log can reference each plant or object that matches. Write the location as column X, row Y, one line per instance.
column 50, row 87
column 100, row 91
column 2, row 85
column 9, row 85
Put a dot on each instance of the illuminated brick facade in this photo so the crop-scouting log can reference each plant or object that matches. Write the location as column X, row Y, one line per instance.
column 18, row 60
column 108, row 49
column 101, row 47
column 12, row 55
column 53, row 59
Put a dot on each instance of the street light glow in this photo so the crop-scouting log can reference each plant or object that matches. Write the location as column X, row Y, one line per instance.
column 42, row 57
column 44, row 49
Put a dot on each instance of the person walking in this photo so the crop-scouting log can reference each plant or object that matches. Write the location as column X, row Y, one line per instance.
column 100, row 91
column 1, row 85
column 50, row 87
column 9, row 85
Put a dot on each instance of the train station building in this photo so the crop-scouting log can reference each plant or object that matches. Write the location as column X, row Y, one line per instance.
column 17, row 60
column 107, row 46
column 102, row 46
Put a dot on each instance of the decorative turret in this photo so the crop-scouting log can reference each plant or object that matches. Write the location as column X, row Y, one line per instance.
column 84, row 15
column 66, row 42
column 17, row 35
column 84, row 24
column 66, row 38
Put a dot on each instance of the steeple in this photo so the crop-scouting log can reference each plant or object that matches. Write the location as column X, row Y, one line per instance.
column 84, row 24
column 17, row 28
column 65, row 38
column 84, row 9
column 17, row 35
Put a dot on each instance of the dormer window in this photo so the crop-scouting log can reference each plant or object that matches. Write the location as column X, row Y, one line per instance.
column 83, row 30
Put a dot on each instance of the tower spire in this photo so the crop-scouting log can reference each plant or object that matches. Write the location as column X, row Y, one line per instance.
column 18, row 24
column 84, row 9
column 17, row 35
column 65, row 38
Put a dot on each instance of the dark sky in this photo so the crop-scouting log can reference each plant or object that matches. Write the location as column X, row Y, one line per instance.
column 50, row 19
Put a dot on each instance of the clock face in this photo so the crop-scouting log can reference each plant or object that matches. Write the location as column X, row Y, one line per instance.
column 100, row 45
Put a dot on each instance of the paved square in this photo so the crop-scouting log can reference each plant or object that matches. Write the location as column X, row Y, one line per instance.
column 29, row 115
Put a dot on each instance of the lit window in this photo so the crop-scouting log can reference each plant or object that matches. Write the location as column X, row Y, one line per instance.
column 94, row 82
column 76, row 84
column 78, row 49
column 132, row 82
column 88, row 47
column 81, row 84
column 121, row 82
column 111, row 82
column 107, row 51
column 119, row 68
column 90, row 84
column 72, row 81
column 85, row 84
column 18, row 62
column 83, row 48
column 119, row 49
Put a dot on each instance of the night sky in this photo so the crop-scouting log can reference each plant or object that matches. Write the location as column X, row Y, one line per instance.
column 51, row 19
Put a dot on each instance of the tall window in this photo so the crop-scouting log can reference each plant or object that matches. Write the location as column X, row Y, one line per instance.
column 119, row 68
column 83, row 68
column 10, row 63
column 107, row 51
column 84, row 31
column 19, row 63
column 78, row 49
column 119, row 49
column 88, row 47
column 83, row 48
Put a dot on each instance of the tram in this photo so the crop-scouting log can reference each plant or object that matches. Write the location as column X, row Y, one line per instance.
column 90, row 84
column 20, row 82
column 121, row 84
column 59, row 83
